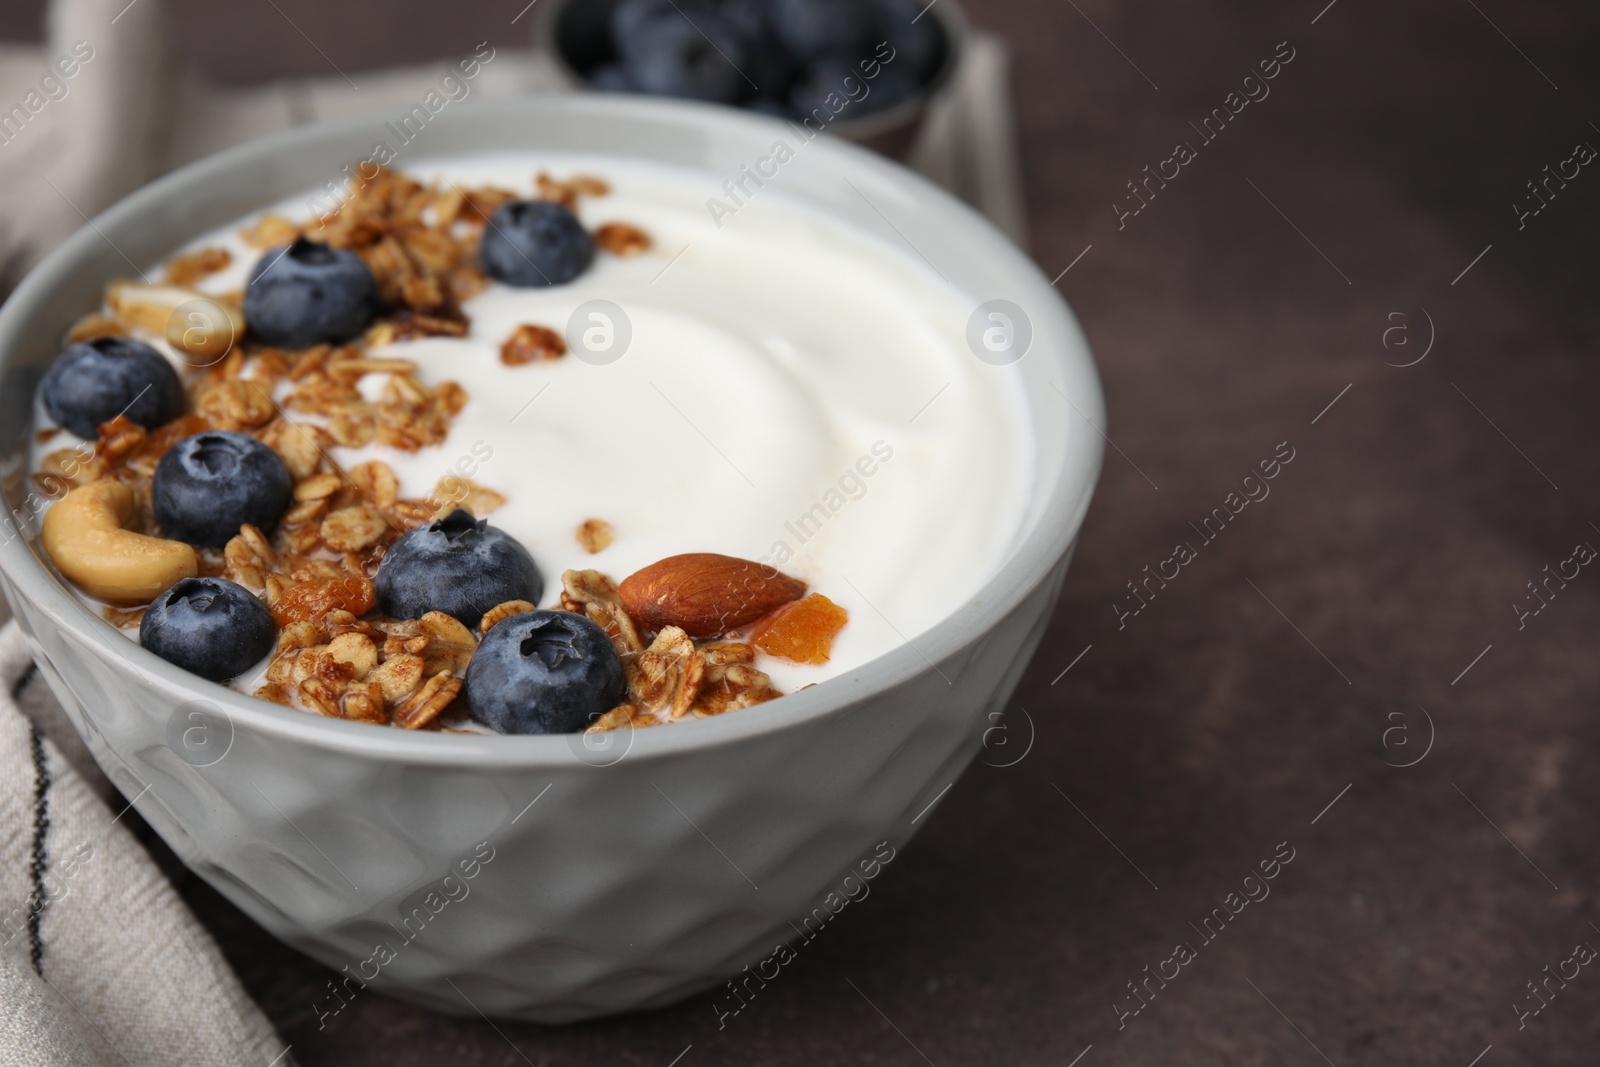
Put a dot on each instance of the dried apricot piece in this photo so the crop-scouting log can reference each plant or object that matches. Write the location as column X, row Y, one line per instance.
column 314, row 599
column 801, row 632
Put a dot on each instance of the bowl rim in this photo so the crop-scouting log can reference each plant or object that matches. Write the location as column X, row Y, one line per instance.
column 1039, row 550
column 952, row 21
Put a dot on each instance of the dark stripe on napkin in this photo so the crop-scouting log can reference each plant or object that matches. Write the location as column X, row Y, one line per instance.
column 41, row 828
column 22, row 683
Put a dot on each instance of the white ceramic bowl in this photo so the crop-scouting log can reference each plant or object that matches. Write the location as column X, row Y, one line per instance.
column 641, row 873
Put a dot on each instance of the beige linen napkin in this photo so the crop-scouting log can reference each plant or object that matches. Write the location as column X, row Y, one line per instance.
column 101, row 963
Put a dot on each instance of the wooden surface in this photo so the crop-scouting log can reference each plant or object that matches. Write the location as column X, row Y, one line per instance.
column 1301, row 655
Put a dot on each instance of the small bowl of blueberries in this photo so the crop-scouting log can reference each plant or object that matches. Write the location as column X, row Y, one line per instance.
column 863, row 69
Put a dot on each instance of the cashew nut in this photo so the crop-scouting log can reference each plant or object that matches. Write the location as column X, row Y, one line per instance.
column 84, row 537
column 193, row 323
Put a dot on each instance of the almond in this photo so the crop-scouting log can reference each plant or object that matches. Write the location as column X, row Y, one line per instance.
column 705, row 594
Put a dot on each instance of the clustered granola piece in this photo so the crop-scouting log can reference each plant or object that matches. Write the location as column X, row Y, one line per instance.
column 595, row 535
column 404, row 673
column 567, row 192
column 408, row 673
column 95, row 324
column 192, row 266
column 673, row 677
column 622, row 239
column 325, row 381
column 419, row 241
column 316, row 575
column 532, row 344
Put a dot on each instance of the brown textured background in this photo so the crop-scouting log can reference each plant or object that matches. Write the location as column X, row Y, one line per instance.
column 1217, row 724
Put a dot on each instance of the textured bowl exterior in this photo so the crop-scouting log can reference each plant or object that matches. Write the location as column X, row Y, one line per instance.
column 608, row 894
column 535, row 877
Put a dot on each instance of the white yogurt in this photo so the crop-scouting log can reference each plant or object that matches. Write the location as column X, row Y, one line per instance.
column 793, row 392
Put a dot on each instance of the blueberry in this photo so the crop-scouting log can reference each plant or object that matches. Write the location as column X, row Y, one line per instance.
column 210, row 627
column 811, row 29
column 459, row 565
column 845, row 81
column 917, row 41
column 95, row 381
column 766, row 105
column 768, row 62
column 751, row 18
column 611, row 78
column 835, row 77
column 630, row 17
column 544, row 672
column 209, row 485
column 820, row 80
column 699, row 60
column 532, row 243
column 893, row 85
column 770, row 66
column 309, row 294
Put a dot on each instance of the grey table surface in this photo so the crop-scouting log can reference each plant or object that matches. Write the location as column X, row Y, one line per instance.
column 1359, row 618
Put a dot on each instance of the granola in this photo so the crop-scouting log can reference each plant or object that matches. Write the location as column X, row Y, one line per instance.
column 532, row 344
column 336, row 655
column 595, row 535
column 622, row 239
